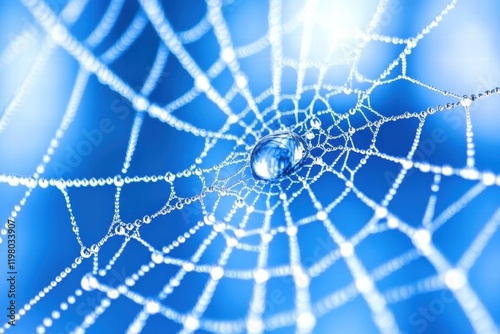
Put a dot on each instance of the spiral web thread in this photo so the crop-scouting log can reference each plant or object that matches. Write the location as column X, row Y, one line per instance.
column 231, row 178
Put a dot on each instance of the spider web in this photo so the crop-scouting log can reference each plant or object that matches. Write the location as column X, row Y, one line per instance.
column 248, row 246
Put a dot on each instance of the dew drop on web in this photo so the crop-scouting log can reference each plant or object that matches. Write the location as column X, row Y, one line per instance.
column 277, row 155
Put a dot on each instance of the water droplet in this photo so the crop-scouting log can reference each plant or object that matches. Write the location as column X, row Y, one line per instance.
column 277, row 155
column 209, row 220
column 455, row 279
column 305, row 321
column 219, row 227
column 94, row 248
column 465, row 101
column 217, row 273
column 261, row 275
column 315, row 123
column 118, row 181
column 240, row 202
column 151, row 306
column 157, row 257
column 169, row 177
column 321, row 215
column 113, row 294
column 191, row 323
column 85, row 252
column 88, row 282
column 188, row 266
column 231, row 242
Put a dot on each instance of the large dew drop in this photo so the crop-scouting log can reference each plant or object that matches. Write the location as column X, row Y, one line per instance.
column 277, row 155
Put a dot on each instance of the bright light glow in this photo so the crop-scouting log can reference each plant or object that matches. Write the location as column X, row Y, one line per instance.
column 217, row 273
column 191, row 323
column 188, row 266
column 152, row 306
